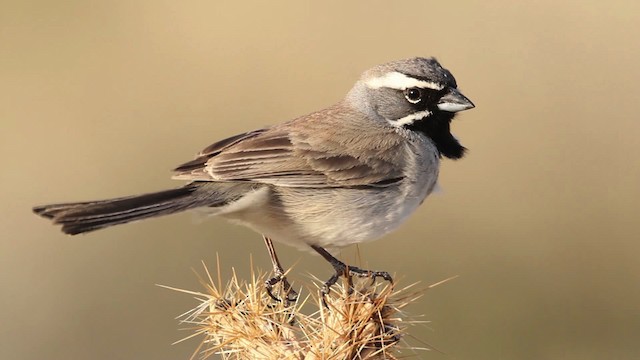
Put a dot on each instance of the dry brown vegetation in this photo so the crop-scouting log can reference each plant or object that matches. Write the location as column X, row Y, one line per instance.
column 240, row 321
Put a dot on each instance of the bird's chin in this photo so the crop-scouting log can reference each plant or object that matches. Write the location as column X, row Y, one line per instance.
column 452, row 149
column 437, row 128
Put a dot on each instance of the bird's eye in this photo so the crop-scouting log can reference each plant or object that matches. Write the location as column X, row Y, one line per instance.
column 413, row 95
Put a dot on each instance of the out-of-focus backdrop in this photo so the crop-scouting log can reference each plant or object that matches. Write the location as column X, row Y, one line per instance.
column 540, row 220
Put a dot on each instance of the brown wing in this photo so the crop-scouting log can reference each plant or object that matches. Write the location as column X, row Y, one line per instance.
column 288, row 156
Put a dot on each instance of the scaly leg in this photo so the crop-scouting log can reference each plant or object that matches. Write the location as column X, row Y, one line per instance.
column 279, row 276
column 341, row 269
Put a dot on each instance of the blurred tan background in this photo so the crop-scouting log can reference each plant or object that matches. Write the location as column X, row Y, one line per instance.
column 540, row 220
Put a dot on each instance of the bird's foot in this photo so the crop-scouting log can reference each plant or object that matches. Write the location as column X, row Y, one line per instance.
column 290, row 295
column 348, row 272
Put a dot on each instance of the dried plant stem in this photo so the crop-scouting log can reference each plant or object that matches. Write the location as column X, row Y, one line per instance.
column 240, row 321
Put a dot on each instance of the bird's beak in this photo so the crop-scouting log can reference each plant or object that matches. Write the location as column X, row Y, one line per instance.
column 454, row 101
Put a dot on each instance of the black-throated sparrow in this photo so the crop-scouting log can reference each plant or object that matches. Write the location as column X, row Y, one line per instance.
column 346, row 174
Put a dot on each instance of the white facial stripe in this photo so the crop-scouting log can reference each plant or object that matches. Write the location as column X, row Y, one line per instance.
column 399, row 81
column 409, row 119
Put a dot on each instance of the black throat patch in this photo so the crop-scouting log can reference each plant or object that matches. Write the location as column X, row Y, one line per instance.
column 437, row 128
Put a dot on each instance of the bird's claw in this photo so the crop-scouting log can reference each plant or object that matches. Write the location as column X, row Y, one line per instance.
column 348, row 272
column 291, row 296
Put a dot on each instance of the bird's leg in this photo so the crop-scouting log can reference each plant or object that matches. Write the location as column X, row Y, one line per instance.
column 341, row 269
column 279, row 276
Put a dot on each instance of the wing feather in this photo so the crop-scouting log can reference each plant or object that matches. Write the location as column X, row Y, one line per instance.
column 287, row 156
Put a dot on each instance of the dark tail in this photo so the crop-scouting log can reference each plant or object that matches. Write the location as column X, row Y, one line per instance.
column 82, row 217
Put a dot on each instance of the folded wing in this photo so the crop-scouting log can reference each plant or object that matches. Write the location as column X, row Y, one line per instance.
column 287, row 156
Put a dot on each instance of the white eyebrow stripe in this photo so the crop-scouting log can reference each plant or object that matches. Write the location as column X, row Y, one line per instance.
column 409, row 119
column 399, row 81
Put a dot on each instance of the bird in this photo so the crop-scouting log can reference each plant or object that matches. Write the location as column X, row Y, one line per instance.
column 343, row 175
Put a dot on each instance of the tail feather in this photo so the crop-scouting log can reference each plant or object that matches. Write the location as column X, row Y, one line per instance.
column 82, row 217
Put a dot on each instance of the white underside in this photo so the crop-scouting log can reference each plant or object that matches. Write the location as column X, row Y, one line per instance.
column 337, row 217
